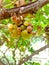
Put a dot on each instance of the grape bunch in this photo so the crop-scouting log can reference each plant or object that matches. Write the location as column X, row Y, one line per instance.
column 20, row 28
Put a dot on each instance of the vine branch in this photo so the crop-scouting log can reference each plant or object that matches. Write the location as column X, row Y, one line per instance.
column 6, row 13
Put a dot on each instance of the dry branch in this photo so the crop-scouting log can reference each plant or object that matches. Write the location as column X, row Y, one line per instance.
column 6, row 13
column 34, row 53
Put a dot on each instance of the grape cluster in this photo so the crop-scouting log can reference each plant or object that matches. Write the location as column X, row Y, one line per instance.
column 20, row 28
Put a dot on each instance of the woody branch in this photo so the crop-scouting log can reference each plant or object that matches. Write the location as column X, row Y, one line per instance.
column 4, row 14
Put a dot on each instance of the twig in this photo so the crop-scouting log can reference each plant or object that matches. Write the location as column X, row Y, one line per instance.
column 1, row 63
column 14, row 51
column 5, row 57
column 34, row 53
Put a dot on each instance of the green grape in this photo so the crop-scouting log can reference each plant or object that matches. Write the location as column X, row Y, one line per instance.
column 25, row 34
column 26, row 23
column 23, row 27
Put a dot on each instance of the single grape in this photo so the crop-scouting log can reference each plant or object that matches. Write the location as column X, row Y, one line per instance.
column 10, row 27
column 25, row 34
column 19, row 30
column 23, row 27
column 17, row 21
column 29, row 29
column 26, row 23
column 20, row 23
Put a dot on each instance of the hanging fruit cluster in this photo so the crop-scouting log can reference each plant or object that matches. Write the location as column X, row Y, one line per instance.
column 20, row 28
